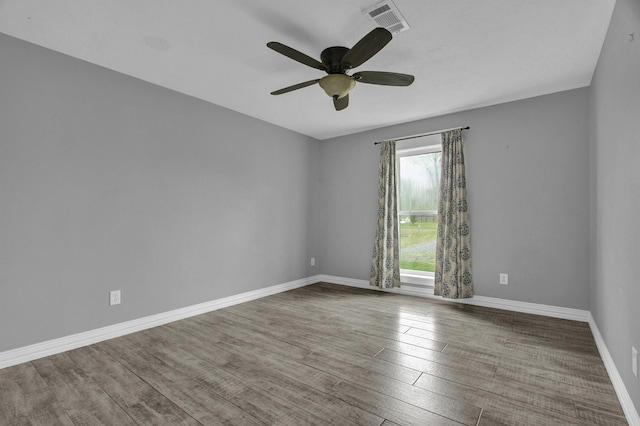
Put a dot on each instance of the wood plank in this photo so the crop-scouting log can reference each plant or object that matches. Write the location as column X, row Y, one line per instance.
column 598, row 395
column 83, row 400
column 429, row 401
column 526, row 360
column 494, row 417
column 143, row 403
column 265, row 373
column 299, row 346
column 26, row 399
column 605, row 418
column 270, row 389
column 324, row 374
column 440, row 365
column 495, row 403
column 197, row 389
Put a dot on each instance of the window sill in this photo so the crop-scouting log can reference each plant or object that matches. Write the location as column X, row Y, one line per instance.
column 416, row 280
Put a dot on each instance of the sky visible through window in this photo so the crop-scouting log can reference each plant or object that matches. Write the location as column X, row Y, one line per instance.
column 419, row 182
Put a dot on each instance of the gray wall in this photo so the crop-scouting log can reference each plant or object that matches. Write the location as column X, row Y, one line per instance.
column 615, row 191
column 107, row 182
column 527, row 165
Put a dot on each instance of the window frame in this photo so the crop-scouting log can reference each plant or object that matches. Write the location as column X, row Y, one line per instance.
column 416, row 147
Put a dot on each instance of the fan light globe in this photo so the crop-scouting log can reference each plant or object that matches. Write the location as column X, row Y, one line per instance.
column 337, row 85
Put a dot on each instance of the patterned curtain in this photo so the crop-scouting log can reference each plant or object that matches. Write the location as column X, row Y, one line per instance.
column 453, row 247
column 385, row 264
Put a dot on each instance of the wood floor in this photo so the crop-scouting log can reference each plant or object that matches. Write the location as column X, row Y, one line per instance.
column 325, row 355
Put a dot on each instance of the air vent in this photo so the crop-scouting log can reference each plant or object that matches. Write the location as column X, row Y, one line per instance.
column 387, row 15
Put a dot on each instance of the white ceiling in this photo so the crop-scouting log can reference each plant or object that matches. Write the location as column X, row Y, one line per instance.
column 463, row 53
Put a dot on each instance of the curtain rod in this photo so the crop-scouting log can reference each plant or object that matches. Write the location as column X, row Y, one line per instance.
column 423, row 134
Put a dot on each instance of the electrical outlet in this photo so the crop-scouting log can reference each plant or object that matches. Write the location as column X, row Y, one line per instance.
column 313, row 261
column 114, row 297
column 504, row 279
column 634, row 361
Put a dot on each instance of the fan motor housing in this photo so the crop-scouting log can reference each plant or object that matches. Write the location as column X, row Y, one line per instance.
column 331, row 57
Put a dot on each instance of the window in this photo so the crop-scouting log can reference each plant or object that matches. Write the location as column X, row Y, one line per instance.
column 419, row 183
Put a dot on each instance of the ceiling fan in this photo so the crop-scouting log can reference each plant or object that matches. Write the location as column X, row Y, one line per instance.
column 336, row 61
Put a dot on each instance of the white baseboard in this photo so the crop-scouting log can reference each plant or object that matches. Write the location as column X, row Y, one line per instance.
column 489, row 302
column 55, row 346
column 623, row 396
column 530, row 308
column 407, row 290
column 62, row 344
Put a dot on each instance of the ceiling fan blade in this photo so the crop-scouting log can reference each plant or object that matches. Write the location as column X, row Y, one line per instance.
column 295, row 55
column 341, row 103
column 368, row 46
column 384, row 78
column 295, row 87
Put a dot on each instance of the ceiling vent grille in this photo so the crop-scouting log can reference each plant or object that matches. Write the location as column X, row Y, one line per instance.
column 387, row 15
